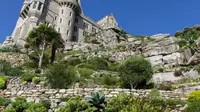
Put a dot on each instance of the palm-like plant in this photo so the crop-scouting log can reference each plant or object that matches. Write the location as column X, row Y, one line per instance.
column 98, row 100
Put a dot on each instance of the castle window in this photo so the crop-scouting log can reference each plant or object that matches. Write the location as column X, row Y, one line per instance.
column 70, row 14
column 55, row 17
column 60, row 20
column 40, row 6
column 73, row 38
column 86, row 26
column 94, row 30
column 76, row 20
column 75, row 29
column 34, row 4
column 59, row 30
column 67, row 32
column 69, row 23
column 62, row 11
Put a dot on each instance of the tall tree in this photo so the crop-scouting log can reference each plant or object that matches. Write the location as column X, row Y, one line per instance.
column 56, row 43
column 40, row 39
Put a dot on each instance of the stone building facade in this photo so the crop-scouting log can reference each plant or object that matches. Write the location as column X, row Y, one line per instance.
column 66, row 16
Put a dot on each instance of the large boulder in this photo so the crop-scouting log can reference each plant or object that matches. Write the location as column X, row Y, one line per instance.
column 156, row 60
column 165, row 77
column 173, row 59
column 161, row 46
column 195, row 59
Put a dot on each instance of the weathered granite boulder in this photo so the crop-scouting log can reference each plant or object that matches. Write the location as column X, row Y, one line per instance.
column 173, row 59
column 156, row 60
column 165, row 77
column 161, row 46
column 160, row 35
column 195, row 59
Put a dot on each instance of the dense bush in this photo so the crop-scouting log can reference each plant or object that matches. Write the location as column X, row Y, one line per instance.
column 9, row 49
column 35, row 80
column 128, row 103
column 28, row 77
column 97, row 63
column 3, row 80
column 135, row 71
column 194, row 96
column 75, row 104
column 20, row 105
column 60, row 76
column 4, row 101
column 110, row 81
column 46, row 103
column 73, row 61
column 7, row 69
column 178, row 73
column 193, row 106
column 85, row 72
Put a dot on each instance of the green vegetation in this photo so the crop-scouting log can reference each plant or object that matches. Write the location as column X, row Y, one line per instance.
column 35, row 80
column 194, row 96
column 7, row 69
column 73, row 52
column 4, row 101
column 40, row 39
column 20, row 105
column 28, row 77
column 98, row 101
column 97, row 63
column 188, row 37
column 9, row 49
column 135, row 71
column 3, row 80
column 85, row 72
column 60, row 76
column 75, row 104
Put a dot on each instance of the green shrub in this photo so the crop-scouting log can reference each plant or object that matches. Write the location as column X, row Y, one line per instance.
column 174, row 102
column 46, row 103
column 128, row 103
column 14, row 72
column 110, row 81
column 135, row 71
column 9, row 49
column 75, row 104
column 84, row 65
column 20, row 105
column 97, row 63
column 154, row 94
column 178, row 73
column 38, row 71
column 4, row 66
column 4, row 101
column 73, row 52
column 113, row 66
column 36, row 107
column 193, row 106
column 194, row 96
column 36, row 80
column 3, row 80
column 60, row 76
column 85, row 72
column 25, row 82
column 28, row 77
column 73, row 61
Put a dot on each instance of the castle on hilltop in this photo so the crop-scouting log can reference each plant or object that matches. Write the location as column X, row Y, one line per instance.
column 66, row 16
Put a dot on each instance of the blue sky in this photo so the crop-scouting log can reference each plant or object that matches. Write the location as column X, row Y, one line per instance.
column 138, row 17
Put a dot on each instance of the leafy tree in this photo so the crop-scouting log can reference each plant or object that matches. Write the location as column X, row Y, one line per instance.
column 40, row 39
column 135, row 71
column 56, row 43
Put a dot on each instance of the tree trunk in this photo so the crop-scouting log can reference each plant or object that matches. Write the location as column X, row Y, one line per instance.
column 131, row 86
column 41, row 56
column 53, row 53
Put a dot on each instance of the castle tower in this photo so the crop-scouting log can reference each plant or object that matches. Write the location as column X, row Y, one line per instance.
column 29, row 16
column 68, row 11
